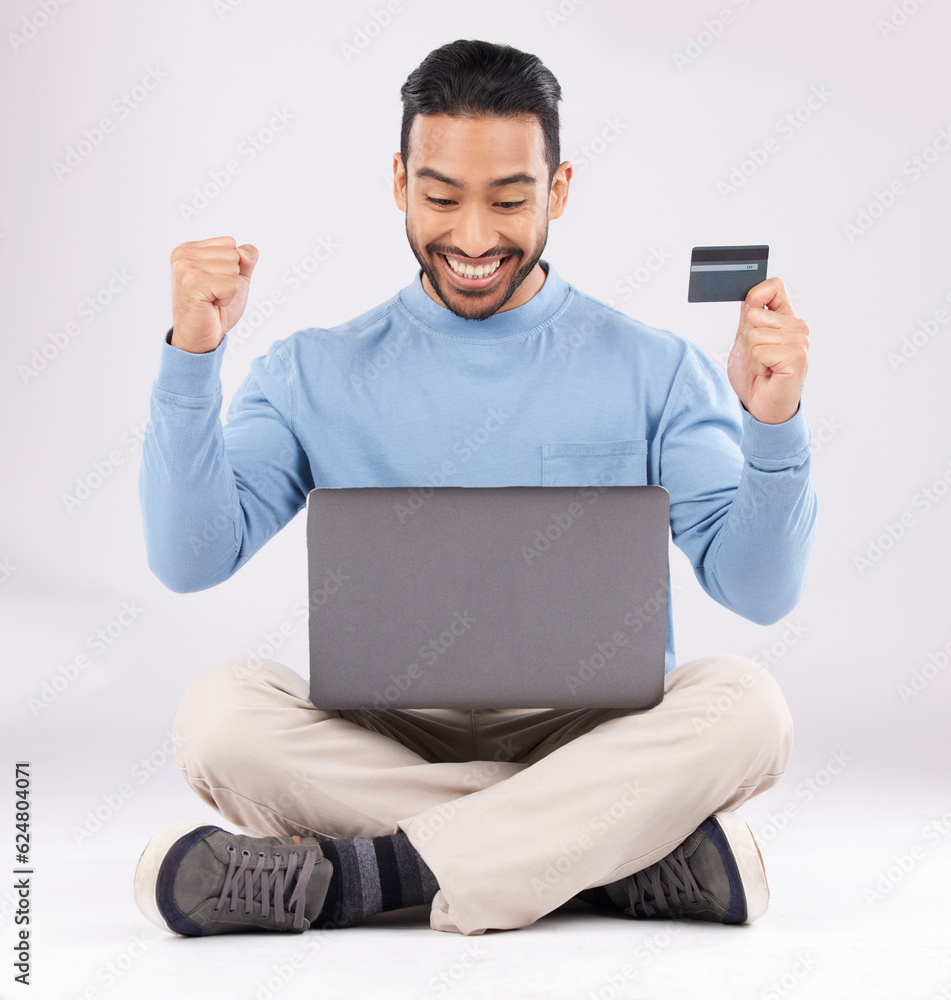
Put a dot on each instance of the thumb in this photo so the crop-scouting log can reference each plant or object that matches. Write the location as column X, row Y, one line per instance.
column 248, row 258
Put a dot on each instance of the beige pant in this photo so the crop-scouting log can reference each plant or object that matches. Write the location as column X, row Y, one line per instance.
column 514, row 810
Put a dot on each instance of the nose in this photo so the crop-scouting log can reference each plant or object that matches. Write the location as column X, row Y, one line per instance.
column 474, row 231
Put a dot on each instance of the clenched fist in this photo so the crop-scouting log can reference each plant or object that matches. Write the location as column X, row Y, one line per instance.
column 210, row 281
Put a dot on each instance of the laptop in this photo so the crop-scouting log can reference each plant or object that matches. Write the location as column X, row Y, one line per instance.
column 487, row 597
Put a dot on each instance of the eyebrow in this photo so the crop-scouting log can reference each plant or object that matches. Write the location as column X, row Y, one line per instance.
column 500, row 182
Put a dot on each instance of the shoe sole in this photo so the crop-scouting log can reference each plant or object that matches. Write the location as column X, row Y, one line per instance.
column 147, row 870
column 749, row 863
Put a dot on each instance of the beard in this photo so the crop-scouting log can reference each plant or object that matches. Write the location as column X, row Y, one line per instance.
column 476, row 307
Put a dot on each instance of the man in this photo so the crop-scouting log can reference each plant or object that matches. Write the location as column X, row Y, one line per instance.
column 493, row 817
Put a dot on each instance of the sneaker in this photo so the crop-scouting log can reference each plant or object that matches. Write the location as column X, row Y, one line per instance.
column 195, row 879
column 717, row 874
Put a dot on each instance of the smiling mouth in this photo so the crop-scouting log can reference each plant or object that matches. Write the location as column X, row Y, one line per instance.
column 471, row 276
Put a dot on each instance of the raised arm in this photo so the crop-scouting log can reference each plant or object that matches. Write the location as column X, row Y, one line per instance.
column 742, row 504
column 211, row 496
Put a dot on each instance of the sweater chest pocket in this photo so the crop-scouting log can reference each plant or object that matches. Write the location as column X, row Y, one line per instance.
column 595, row 463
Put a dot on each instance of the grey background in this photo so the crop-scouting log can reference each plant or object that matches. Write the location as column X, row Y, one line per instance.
column 652, row 143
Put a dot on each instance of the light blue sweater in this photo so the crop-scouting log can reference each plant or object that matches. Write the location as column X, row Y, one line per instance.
column 561, row 391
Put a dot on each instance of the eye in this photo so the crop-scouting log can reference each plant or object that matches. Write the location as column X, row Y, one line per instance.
column 441, row 202
column 511, row 204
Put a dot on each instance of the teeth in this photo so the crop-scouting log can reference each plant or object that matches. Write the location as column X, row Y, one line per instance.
column 468, row 271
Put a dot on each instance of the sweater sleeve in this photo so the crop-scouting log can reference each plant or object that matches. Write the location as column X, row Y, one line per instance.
column 742, row 504
column 211, row 496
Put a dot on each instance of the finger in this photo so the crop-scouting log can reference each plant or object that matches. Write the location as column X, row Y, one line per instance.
column 193, row 270
column 186, row 249
column 780, row 359
column 249, row 257
column 770, row 294
column 216, row 262
column 215, row 241
column 788, row 331
column 200, row 286
column 751, row 317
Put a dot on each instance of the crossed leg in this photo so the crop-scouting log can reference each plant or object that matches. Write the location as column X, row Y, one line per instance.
column 561, row 802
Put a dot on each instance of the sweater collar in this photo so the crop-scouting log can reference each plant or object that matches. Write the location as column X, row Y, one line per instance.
column 518, row 322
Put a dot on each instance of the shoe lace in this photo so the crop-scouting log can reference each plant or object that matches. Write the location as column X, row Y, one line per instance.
column 257, row 885
column 668, row 881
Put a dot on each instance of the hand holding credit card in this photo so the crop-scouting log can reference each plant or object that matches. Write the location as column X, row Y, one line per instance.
column 767, row 365
column 725, row 274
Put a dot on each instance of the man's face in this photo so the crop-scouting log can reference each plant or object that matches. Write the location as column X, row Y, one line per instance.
column 477, row 204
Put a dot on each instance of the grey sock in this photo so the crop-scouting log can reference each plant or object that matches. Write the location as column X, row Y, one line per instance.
column 372, row 876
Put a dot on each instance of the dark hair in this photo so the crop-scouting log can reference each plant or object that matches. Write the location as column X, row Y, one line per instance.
column 465, row 79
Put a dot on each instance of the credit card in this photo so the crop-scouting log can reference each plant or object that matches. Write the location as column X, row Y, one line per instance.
column 725, row 274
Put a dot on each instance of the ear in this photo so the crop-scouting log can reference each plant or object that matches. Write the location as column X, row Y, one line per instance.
column 399, row 182
column 558, row 196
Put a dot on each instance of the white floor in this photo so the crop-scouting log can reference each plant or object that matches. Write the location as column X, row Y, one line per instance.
column 860, row 909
